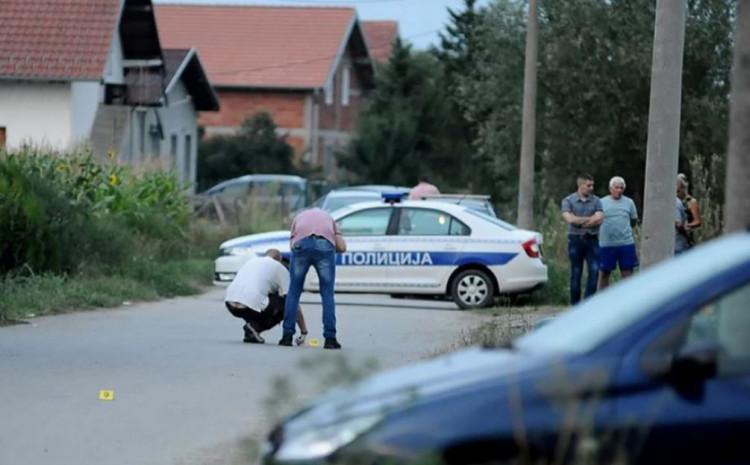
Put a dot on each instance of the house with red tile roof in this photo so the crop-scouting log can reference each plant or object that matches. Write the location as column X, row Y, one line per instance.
column 92, row 72
column 309, row 67
column 380, row 36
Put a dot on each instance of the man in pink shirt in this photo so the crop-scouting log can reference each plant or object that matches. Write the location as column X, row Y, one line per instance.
column 312, row 243
column 423, row 189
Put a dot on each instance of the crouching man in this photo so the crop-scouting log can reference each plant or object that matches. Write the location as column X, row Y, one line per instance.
column 258, row 296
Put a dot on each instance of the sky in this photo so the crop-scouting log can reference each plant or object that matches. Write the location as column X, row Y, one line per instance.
column 419, row 20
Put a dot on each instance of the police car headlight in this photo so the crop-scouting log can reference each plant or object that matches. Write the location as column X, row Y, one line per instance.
column 236, row 251
column 317, row 443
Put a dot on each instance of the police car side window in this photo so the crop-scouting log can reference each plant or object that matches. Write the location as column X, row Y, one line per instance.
column 458, row 228
column 423, row 222
column 370, row 222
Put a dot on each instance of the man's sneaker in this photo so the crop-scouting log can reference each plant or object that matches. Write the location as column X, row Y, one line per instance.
column 251, row 335
column 331, row 343
column 286, row 340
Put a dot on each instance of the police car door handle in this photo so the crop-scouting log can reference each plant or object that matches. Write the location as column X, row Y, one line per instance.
column 450, row 248
column 378, row 247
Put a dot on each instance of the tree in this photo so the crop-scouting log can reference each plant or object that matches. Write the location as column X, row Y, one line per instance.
column 593, row 92
column 528, row 127
column 256, row 148
column 737, row 211
column 407, row 127
column 491, row 93
column 663, row 132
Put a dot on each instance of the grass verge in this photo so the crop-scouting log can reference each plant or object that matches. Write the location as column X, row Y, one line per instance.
column 48, row 294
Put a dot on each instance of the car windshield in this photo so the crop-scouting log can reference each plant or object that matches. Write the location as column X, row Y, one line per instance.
column 492, row 219
column 583, row 327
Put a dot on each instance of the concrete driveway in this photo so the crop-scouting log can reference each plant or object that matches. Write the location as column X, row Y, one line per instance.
column 186, row 389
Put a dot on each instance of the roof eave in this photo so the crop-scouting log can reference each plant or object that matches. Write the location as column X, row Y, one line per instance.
column 60, row 79
column 267, row 87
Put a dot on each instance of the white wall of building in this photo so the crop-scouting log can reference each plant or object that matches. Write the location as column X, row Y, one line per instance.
column 85, row 97
column 113, row 71
column 36, row 112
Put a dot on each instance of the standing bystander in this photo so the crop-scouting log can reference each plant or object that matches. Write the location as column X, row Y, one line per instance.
column 692, row 214
column 423, row 189
column 582, row 210
column 315, row 239
column 616, row 242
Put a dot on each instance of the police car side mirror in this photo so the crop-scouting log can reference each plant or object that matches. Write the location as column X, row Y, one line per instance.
column 695, row 363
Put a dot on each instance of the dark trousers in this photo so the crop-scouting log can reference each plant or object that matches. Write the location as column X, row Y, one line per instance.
column 583, row 248
column 263, row 320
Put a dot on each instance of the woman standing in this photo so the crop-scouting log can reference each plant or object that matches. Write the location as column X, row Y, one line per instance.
column 692, row 212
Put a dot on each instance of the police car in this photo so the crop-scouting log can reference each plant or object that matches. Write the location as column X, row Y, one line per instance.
column 417, row 247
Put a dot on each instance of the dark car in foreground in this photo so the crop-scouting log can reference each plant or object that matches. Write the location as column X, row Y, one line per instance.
column 654, row 370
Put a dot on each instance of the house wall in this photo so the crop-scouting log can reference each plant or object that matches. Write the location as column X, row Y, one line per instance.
column 179, row 149
column 85, row 98
column 174, row 147
column 37, row 113
column 337, row 116
column 288, row 109
column 113, row 70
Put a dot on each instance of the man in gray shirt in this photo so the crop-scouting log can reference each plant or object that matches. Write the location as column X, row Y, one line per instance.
column 582, row 210
column 616, row 242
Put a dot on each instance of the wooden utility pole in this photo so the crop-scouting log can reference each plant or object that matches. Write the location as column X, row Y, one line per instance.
column 737, row 197
column 663, row 146
column 528, row 128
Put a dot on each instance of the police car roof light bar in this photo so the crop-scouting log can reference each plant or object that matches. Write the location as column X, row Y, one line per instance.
column 393, row 197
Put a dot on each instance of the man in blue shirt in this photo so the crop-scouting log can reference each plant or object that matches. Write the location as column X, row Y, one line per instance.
column 616, row 242
column 582, row 210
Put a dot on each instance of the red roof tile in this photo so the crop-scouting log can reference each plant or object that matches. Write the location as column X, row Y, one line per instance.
column 380, row 36
column 258, row 46
column 56, row 39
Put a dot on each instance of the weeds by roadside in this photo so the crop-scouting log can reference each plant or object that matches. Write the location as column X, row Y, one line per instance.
column 48, row 294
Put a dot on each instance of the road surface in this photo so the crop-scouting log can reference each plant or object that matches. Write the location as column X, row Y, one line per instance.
column 185, row 389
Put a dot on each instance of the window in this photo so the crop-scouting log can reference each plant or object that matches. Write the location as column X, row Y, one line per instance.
column 173, row 150
column 726, row 323
column 423, row 222
column 155, row 144
column 345, row 86
column 188, row 157
column 2, row 137
column 371, row 222
column 238, row 189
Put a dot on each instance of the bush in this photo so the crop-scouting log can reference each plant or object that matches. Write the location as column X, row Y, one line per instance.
column 39, row 225
column 64, row 212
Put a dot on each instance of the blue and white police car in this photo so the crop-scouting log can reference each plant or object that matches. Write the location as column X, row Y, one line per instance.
column 417, row 247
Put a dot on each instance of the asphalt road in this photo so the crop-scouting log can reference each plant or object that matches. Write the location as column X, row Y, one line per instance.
column 186, row 390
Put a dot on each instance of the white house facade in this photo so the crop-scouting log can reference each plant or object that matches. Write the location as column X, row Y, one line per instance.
column 92, row 73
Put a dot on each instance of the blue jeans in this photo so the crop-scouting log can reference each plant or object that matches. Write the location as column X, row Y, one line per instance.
column 582, row 248
column 319, row 253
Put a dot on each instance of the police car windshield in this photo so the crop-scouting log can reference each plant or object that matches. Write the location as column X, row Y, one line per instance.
column 494, row 220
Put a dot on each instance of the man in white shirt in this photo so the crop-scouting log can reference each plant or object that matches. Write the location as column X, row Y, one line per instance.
column 258, row 295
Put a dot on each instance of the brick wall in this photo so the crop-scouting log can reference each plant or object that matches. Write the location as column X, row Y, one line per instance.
column 287, row 108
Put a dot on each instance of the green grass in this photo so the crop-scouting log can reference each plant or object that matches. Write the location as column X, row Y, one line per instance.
column 47, row 294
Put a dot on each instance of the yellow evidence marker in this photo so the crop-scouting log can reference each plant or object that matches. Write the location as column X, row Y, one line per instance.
column 314, row 342
column 106, row 395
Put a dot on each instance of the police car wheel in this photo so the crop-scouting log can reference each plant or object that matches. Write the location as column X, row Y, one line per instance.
column 472, row 289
